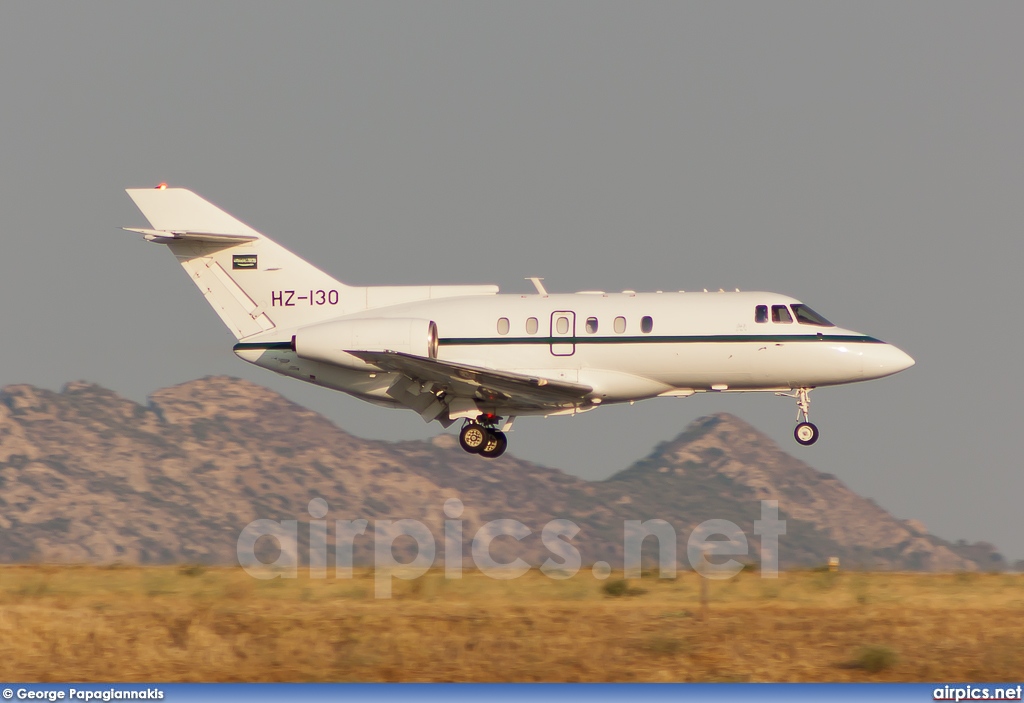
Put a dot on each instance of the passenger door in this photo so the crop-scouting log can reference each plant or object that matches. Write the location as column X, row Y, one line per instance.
column 563, row 325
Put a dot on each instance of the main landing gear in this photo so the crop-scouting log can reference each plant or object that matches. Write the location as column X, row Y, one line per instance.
column 481, row 437
column 806, row 432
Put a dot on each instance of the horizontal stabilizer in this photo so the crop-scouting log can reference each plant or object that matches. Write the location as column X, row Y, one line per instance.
column 163, row 236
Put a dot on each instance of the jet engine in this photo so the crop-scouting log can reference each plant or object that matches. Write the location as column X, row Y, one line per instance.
column 330, row 342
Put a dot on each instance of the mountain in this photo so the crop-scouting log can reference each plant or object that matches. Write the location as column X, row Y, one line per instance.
column 89, row 476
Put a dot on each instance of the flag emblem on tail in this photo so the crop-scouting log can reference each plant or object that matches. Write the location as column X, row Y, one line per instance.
column 243, row 261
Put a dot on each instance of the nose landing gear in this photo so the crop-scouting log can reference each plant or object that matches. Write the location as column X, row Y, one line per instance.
column 806, row 432
column 481, row 437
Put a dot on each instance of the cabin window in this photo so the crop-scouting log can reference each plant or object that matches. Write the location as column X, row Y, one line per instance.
column 761, row 313
column 531, row 325
column 562, row 325
column 591, row 325
column 502, row 325
column 806, row 316
column 780, row 313
column 646, row 324
column 619, row 325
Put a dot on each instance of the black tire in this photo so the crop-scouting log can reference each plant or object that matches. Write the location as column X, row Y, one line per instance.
column 473, row 438
column 496, row 445
column 806, row 433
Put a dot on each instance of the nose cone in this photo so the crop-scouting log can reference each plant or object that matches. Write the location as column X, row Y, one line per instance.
column 885, row 360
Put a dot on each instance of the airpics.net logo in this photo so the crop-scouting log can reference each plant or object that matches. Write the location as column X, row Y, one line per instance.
column 711, row 547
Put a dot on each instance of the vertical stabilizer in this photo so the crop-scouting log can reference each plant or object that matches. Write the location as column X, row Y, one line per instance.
column 254, row 284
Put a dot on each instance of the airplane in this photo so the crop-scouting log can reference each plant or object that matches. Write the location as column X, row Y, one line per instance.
column 469, row 353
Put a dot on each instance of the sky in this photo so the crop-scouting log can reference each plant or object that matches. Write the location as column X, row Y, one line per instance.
column 866, row 158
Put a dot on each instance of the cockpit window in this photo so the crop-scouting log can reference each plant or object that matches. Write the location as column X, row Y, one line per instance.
column 780, row 313
column 806, row 316
column 761, row 313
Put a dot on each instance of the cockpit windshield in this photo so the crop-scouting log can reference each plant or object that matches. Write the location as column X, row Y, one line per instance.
column 806, row 316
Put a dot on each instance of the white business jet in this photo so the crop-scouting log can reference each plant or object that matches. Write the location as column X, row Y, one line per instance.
column 466, row 353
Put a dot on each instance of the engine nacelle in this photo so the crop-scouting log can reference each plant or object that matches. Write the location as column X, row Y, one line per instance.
column 329, row 341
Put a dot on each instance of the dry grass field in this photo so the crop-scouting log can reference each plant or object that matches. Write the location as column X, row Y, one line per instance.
column 218, row 624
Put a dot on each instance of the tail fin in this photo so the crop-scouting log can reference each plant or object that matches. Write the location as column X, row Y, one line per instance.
column 253, row 283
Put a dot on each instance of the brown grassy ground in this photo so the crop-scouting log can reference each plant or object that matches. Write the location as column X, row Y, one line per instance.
column 181, row 624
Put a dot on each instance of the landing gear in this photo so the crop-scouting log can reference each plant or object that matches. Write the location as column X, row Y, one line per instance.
column 806, row 432
column 483, row 439
column 474, row 438
column 496, row 445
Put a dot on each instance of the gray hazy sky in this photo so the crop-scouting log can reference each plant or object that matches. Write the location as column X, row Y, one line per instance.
column 864, row 157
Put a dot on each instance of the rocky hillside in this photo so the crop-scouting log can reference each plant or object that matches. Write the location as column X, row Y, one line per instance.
column 88, row 476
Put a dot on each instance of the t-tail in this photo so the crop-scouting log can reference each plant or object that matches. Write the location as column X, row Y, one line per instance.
column 253, row 283
column 257, row 286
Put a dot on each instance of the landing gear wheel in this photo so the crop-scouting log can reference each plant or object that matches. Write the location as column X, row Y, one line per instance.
column 473, row 438
column 496, row 445
column 806, row 433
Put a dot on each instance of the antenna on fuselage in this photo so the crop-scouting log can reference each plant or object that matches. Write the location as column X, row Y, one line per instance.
column 538, row 285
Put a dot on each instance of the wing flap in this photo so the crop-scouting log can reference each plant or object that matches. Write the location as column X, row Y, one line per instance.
column 477, row 382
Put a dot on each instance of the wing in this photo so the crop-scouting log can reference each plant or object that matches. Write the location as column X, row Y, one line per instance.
column 502, row 387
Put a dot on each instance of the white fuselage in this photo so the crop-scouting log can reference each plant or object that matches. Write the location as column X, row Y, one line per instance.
column 467, row 353
column 694, row 342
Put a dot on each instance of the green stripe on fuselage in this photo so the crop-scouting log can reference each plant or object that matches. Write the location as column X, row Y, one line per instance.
column 651, row 339
column 646, row 339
